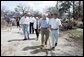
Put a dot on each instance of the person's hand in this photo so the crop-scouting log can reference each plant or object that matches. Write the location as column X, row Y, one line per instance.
column 49, row 29
column 21, row 25
column 39, row 29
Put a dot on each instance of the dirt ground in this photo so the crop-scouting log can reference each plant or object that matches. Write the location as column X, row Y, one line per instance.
column 12, row 44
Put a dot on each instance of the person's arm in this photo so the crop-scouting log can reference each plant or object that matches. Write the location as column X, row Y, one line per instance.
column 49, row 25
column 60, row 25
column 39, row 24
column 20, row 22
column 34, row 25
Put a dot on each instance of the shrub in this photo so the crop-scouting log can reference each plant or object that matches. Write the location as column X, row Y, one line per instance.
column 80, row 24
column 3, row 23
column 75, row 34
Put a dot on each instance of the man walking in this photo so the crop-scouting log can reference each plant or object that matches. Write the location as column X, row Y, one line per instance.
column 43, row 23
column 24, row 21
column 54, row 24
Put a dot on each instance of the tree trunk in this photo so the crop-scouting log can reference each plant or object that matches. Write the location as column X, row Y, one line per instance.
column 57, row 5
column 79, row 7
column 73, row 10
column 57, row 8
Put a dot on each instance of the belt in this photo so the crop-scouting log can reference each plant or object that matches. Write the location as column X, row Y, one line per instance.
column 54, row 29
column 44, row 28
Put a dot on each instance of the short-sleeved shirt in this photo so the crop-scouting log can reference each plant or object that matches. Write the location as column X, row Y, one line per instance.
column 24, row 20
column 54, row 23
column 32, row 19
column 43, row 23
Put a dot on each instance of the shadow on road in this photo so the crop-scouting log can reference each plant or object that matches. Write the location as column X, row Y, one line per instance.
column 18, row 33
column 52, row 53
column 20, row 39
column 32, row 39
column 36, row 49
column 15, row 40
column 30, row 47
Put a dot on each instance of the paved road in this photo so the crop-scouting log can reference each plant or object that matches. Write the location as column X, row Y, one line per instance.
column 12, row 44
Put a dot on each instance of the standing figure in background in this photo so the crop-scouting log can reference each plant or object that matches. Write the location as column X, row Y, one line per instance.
column 9, row 21
column 36, row 27
column 31, row 24
column 17, row 22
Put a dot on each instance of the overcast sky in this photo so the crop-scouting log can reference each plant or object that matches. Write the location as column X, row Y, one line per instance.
column 35, row 5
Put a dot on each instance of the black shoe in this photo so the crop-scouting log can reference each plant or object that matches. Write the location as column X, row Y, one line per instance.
column 55, row 44
column 24, row 39
column 53, row 48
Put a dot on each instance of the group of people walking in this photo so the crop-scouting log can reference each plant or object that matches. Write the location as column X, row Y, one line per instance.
column 47, row 26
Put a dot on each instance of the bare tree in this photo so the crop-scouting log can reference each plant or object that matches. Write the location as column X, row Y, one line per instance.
column 4, row 12
column 22, row 9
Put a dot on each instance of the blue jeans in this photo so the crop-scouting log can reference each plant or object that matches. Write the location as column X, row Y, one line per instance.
column 25, row 30
column 54, row 37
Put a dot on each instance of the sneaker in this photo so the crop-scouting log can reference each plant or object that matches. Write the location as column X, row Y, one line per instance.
column 25, row 39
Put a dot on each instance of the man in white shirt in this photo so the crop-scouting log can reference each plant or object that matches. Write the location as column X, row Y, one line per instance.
column 24, row 22
column 54, row 24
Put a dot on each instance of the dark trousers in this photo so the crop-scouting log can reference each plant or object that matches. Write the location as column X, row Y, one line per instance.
column 18, row 24
column 31, row 28
column 37, row 33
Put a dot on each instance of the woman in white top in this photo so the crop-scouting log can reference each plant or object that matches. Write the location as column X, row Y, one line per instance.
column 36, row 26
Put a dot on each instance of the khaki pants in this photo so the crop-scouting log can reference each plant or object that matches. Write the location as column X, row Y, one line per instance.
column 44, row 32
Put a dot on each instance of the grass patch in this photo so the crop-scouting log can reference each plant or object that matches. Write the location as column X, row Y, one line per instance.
column 75, row 34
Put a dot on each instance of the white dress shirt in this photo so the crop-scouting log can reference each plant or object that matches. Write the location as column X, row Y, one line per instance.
column 55, row 23
column 47, row 19
column 32, row 19
column 35, row 24
column 24, row 20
